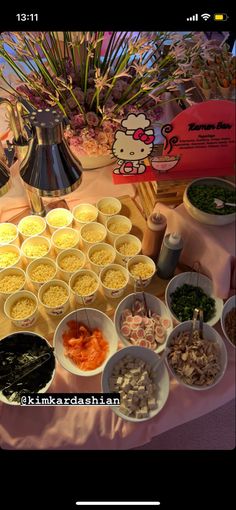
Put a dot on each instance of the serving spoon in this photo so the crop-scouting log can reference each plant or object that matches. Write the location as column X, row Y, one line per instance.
column 219, row 203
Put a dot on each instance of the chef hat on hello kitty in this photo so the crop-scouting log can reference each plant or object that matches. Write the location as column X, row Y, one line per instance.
column 133, row 122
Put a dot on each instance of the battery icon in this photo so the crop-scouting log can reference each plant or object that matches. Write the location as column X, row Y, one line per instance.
column 220, row 17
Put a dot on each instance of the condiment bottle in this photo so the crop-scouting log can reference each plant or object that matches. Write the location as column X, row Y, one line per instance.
column 169, row 256
column 153, row 235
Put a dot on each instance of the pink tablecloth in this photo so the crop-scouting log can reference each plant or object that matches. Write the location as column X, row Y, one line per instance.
column 213, row 247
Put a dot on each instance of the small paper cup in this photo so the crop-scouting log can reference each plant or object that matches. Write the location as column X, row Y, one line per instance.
column 107, row 202
column 64, row 213
column 145, row 281
column 97, row 247
column 12, row 271
column 43, row 260
column 66, row 275
column 40, row 224
column 15, row 233
column 111, row 292
column 93, row 228
column 54, row 310
column 84, row 299
column 64, row 231
column 25, row 322
column 84, row 208
column 35, row 241
column 128, row 238
column 117, row 219
column 10, row 248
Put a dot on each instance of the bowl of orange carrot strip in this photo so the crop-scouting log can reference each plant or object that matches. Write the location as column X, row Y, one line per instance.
column 84, row 340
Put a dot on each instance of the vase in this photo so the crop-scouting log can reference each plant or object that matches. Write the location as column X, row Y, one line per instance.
column 94, row 161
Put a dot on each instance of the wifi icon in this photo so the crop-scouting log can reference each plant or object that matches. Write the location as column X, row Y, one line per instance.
column 205, row 16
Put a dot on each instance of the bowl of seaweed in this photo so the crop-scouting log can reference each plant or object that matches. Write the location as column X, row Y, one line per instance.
column 27, row 365
column 199, row 200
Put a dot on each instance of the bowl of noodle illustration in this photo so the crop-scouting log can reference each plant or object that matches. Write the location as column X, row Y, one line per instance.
column 164, row 163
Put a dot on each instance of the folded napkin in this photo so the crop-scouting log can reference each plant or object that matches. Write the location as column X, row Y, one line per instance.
column 212, row 246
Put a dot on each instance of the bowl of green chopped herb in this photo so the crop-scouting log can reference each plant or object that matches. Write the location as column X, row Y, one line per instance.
column 199, row 200
column 191, row 290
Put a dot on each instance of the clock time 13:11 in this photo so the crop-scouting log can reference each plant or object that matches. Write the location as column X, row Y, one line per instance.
column 27, row 17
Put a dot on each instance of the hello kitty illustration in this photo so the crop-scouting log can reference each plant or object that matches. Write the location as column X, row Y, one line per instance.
column 133, row 145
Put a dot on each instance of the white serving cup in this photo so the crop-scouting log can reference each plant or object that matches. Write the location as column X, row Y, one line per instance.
column 92, row 227
column 66, row 275
column 58, row 233
column 12, row 271
column 27, row 322
column 36, row 240
column 59, row 310
column 144, row 282
column 103, row 217
column 68, row 218
column 14, row 249
column 14, row 239
column 100, row 246
column 228, row 306
column 126, row 238
column 114, row 293
column 118, row 218
column 84, row 208
column 34, row 264
column 37, row 219
column 88, row 298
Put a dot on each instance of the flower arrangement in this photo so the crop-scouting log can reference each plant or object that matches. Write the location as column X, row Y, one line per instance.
column 93, row 87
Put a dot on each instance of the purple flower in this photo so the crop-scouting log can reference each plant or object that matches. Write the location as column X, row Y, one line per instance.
column 78, row 121
column 89, row 95
column 92, row 119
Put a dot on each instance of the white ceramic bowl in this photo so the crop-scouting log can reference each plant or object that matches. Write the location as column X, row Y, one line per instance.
column 54, row 310
column 96, row 319
column 201, row 216
column 230, row 303
column 153, row 303
column 31, row 336
column 6, row 248
column 12, row 271
column 210, row 334
column 89, row 298
column 118, row 218
column 161, row 379
column 92, row 227
column 28, row 321
column 65, row 213
column 64, row 231
column 36, row 241
column 114, row 293
column 106, row 202
column 38, row 220
column 66, row 275
column 14, row 238
column 34, row 264
column 144, row 282
column 126, row 238
column 97, row 247
column 196, row 279
column 84, row 208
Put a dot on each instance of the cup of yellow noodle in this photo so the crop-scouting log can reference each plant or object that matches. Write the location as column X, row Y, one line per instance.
column 35, row 247
column 114, row 279
column 69, row 262
column 126, row 246
column 84, row 285
column 101, row 255
column 65, row 238
column 116, row 226
column 54, row 296
column 10, row 256
column 92, row 233
column 40, row 271
column 22, row 308
column 8, row 233
column 107, row 207
column 141, row 269
column 12, row 279
column 58, row 218
column 84, row 213
column 32, row 226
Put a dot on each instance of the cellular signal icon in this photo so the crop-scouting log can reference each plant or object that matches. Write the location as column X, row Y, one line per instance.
column 193, row 18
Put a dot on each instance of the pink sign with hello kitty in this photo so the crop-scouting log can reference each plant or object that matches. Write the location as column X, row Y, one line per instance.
column 200, row 141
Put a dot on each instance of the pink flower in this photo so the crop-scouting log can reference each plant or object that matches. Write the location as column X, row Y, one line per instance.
column 92, row 119
column 78, row 121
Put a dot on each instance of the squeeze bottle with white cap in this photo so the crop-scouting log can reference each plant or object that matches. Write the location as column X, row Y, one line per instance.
column 169, row 256
column 153, row 235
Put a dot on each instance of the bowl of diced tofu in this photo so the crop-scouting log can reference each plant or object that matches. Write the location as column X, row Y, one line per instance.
column 143, row 389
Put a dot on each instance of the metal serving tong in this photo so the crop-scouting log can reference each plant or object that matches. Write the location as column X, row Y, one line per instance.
column 22, row 372
column 147, row 311
column 197, row 324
